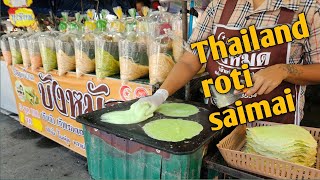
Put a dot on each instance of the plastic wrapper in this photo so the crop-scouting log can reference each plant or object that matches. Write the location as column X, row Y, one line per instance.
column 90, row 23
column 142, row 24
column 65, row 53
column 158, row 22
column 160, row 59
column 134, row 62
column 48, row 50
column 107, row 55
column 34, row 51
column 102, row 22
column 131, row 21
column 179, row 46
column 24, row 49
column 64, row 23
column 76, row 25
column 84, row 54
column 117, row 25
column 5, row 47
column 142, row 29
column 15, row 48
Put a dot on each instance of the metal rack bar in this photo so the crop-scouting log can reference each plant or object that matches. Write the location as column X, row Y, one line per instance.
column 185, row 36
column 184, row 20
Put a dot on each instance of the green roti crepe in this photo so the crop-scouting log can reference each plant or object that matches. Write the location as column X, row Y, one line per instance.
column 138, row 112
column 172, row 130
column 177, row 109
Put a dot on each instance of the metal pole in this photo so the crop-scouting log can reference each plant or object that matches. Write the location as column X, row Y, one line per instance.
column 190, row 19
column 185, row 37
column 184, row 20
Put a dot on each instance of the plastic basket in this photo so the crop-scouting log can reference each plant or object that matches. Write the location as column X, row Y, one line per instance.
column 230, row 147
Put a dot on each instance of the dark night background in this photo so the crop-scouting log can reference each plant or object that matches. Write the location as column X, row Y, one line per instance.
column 43, row 6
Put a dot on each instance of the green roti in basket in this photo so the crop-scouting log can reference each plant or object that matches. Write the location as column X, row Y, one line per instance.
column 286, row 142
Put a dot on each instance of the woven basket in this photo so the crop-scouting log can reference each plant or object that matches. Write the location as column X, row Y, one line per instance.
column 230, row 147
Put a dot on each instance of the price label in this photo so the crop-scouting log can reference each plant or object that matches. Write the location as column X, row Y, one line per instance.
column 21, row 17
column 17, row 3
column 29, row 121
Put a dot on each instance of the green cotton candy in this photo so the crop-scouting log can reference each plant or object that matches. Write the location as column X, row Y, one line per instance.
column 101, row 25
column 63, row 26
column 172, row 130
column 138, row 112
column 106, row 64
column 49, row 59
column 16, row 57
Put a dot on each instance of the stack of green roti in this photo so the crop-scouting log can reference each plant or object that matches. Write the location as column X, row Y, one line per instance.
column 286, row 142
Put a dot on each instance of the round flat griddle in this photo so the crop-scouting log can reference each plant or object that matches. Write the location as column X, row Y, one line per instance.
column 135, row 132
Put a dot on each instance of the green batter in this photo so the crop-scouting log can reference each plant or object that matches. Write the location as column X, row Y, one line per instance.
column 177, row 109
column 172, row 130
column 138, row 112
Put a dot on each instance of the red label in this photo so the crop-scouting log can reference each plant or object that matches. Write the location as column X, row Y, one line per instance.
column 140, row 92
column 125, row 92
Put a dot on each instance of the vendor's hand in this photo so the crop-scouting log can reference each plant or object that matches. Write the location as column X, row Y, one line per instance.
column 155, row 100
column 266, row 80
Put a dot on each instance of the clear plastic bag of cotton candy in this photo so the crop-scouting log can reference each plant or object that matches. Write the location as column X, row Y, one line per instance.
column 48, row 50
column 65, row 52
column 134, row 62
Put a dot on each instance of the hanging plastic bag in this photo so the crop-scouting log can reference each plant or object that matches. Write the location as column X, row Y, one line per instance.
column 34, row 51
column 179, row 46
column 102, row 22
column 84, row 54
column 24, row 49
column 160, row 59
column 158, row 23
column 48, row 51
column 134, row 61
column 107, row 48
column 107, row 55
column 65, row 53
column 5, row 47
column 15, row 47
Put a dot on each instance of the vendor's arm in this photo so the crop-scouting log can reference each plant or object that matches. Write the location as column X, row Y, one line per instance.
column 182, row 73
column 269, row 78
column 302, row 74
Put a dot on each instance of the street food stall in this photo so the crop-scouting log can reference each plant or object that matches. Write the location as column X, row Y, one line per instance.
column 93, row 60
column 78, row 85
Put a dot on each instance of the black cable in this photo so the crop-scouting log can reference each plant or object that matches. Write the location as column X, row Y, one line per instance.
column 192, row 12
